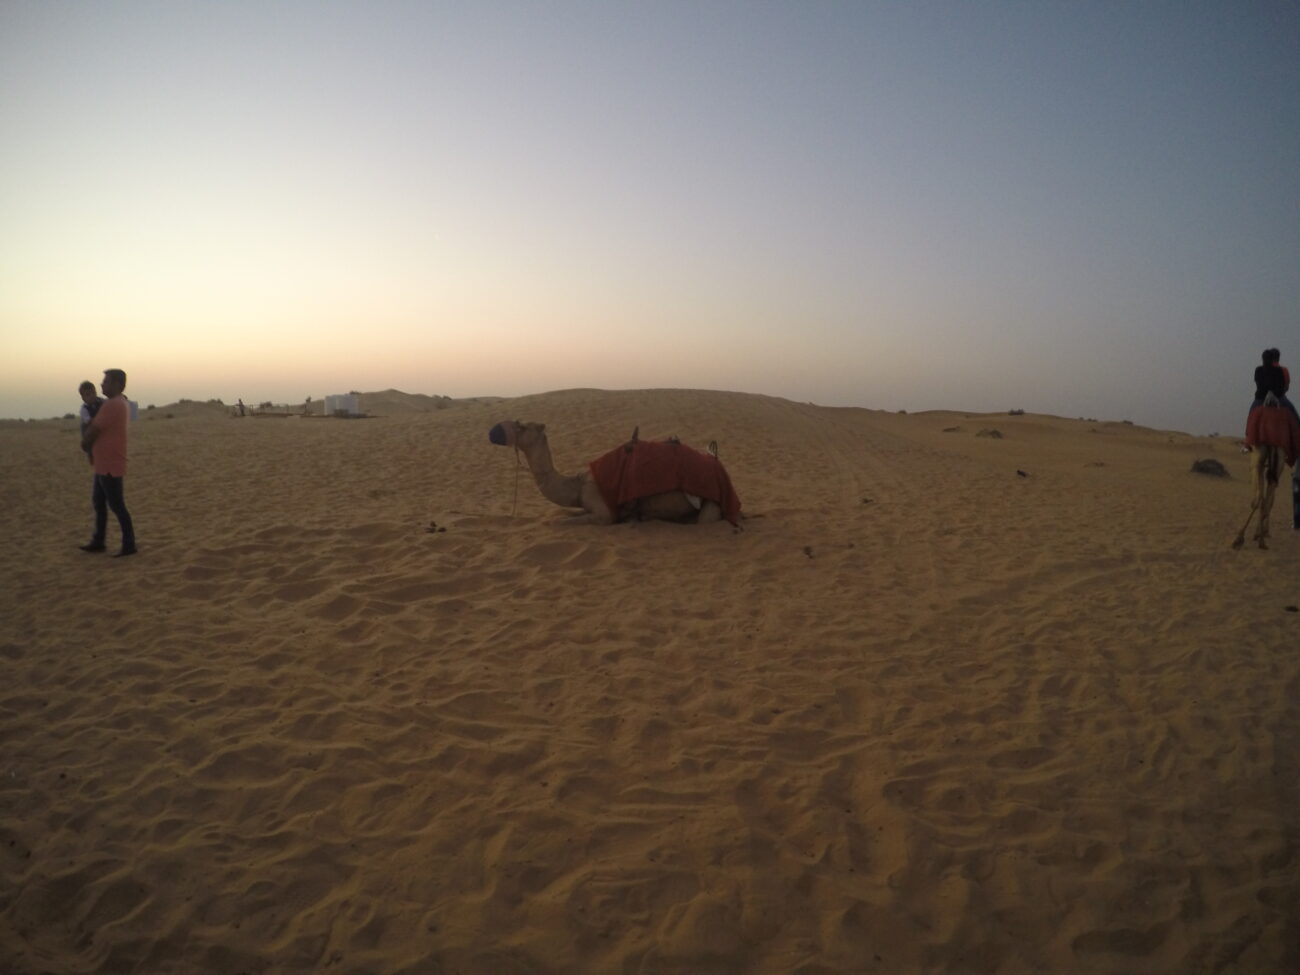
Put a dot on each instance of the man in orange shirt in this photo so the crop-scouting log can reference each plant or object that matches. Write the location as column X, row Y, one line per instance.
column 105, row 438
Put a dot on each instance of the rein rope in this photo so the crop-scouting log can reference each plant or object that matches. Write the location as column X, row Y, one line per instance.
column 514, row 504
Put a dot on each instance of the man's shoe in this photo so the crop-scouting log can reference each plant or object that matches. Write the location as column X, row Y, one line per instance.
column 124, row 552
column 92, row 547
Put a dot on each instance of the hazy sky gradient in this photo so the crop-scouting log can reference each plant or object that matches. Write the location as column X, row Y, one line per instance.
column 1081, row 208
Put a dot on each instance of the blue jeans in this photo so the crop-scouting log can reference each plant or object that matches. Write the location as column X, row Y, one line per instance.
column 108, row 494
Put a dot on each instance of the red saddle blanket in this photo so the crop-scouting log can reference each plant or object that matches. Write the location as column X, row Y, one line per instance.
column 645, row 467
column 1274, row 426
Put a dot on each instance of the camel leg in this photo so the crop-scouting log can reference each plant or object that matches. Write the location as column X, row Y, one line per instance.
column 1264, row 483
column 710, row 512
column 586, row 518
column 669, row 506
column 1240, row 540
column 1269, row 468
column 1264, row 510
column 590, row 518
column 597, row 512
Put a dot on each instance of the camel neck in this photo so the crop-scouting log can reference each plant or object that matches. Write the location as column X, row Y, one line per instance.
column 555, row 487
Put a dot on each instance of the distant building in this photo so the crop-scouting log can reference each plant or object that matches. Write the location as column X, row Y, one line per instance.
column 343, row 404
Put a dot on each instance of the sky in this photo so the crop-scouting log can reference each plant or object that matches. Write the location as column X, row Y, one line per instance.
column 1076, row 208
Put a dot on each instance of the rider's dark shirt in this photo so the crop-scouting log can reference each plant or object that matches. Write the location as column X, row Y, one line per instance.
column 1269, row 379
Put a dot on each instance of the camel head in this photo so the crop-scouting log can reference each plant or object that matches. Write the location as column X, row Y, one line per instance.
column 516, row 433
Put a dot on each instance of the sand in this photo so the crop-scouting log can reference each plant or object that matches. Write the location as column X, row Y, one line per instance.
column 923, row 714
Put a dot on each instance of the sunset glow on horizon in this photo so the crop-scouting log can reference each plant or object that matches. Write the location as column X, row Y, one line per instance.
column 1071, row 209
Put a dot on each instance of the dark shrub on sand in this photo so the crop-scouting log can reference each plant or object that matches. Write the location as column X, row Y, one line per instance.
column 1211, row 467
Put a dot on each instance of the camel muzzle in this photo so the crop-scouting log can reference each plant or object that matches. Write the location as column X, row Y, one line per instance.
column 502, row 435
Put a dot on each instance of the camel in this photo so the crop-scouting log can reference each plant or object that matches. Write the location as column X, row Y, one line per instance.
column 1273, row 433
column 582, row 490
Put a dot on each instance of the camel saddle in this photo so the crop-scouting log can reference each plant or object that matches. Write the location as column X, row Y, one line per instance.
column 1274, row 426
column 641, row 468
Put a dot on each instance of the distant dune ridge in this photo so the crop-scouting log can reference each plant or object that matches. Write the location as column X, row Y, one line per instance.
column 947, row 703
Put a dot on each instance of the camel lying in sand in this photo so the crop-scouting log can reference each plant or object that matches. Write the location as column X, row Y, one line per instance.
column 663, row 480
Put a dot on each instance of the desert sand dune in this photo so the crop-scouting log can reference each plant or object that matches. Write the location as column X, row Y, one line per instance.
column 948, row 703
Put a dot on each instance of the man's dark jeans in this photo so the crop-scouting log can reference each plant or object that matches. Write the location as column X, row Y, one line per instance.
column 108, row 494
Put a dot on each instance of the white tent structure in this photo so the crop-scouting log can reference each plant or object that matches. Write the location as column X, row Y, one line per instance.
column 342, row 404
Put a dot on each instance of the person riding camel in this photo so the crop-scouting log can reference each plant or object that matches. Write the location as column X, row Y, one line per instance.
column 1272, row 377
